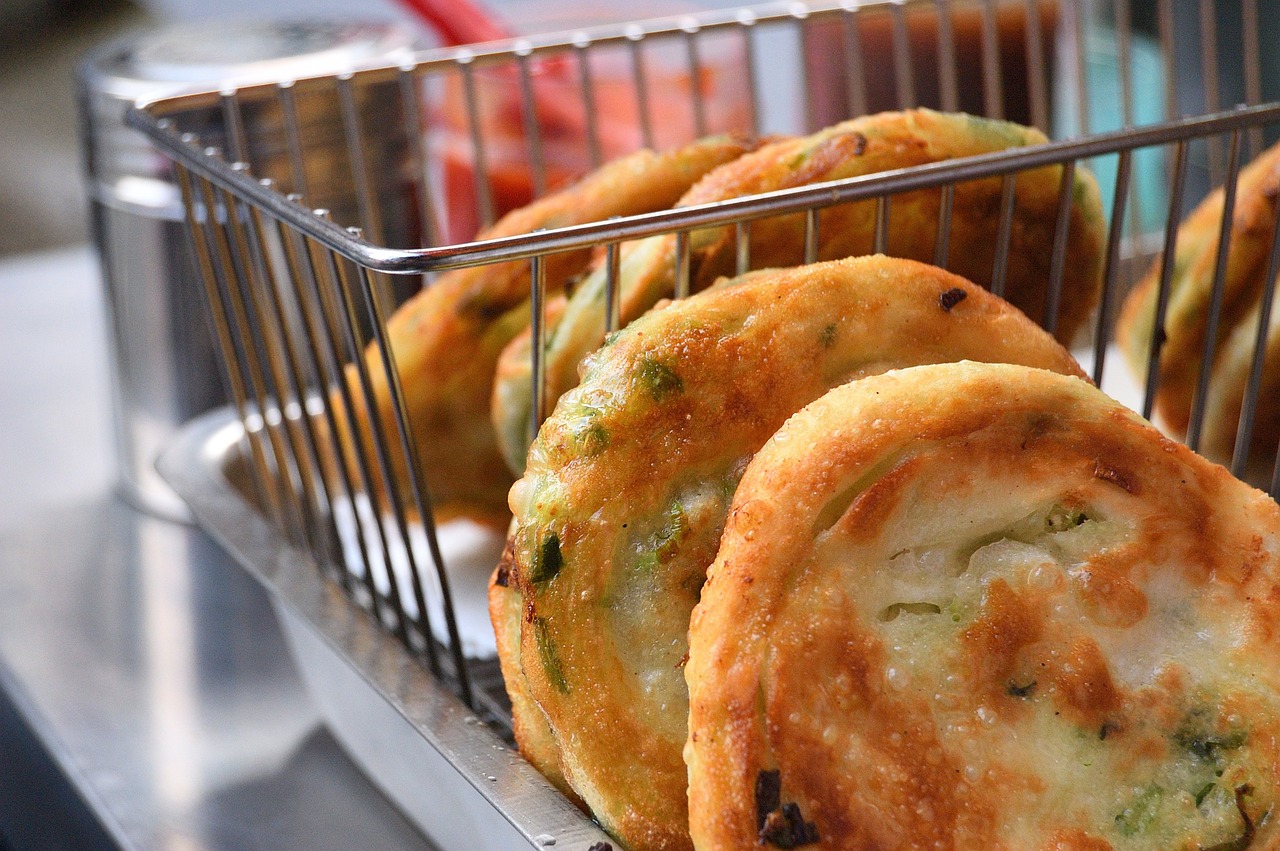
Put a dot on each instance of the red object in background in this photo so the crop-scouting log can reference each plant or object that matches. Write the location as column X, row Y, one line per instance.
column 562, row 120
column 561, row 116
column 459, row 21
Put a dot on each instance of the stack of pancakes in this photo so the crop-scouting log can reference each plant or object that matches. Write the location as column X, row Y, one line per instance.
column 851, row 554
column 945, row 605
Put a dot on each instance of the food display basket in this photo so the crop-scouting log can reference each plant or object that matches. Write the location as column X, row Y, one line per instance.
column 316, row 206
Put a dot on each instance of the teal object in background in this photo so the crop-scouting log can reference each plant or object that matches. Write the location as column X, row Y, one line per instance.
column 1148, row 197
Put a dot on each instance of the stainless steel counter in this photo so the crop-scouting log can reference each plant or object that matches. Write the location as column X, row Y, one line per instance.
column 146, row 697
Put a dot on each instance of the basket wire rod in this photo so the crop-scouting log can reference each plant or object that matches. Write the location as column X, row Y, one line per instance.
column 1275, row 478
column 421, row 493
column 313, row 497
column 1037, row 70
column 1057, row 261
column 942, row 241
column 855, row 79
column 1209, row 73
column 586, row 87
column 231, row 360
column 682, row 264
column 698, row 216
column 698, row 98
column 1252, row 68
column 1124, row 171
column 532, row 131
column 750, row 65
column 381, row 445
column 640, row 81
column 292, row 136
column 948, row 87
column 1124, row 57
column 880, row 241
column 742, row 246
column 410, row 106
column 326, row 373
column 1248, row 411
column 992, row 91
column 1164, row 23
column 266, row 250
column 233, row 119
column 323, row 278
column 903, row 78
column 612, row 294
column 538, row 340
column 267, row 395
column 310, row 466
column 241, row 334
column 1074, row 13
column 1124, row 52
column 1166, row 275
column 361, row 180
column 1003, row 233
column 1216, row 295
column 479, row 158
column 804, row 32
column 811, row 235
column 293, row 469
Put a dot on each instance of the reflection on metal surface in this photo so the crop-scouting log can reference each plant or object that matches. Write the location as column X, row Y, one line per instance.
column 171, row 664
column 398, row 721
column 155, row 676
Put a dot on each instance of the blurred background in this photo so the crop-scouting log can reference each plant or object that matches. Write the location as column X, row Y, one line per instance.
column 42, row 200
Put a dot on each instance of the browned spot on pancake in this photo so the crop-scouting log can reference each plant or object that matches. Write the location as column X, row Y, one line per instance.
column 1040, row 426
column 993, row 642
column 1108, row 473
column 826, row 156
column 873, row 507
column 1076, row 840
column 951, row 298
column 1085, row 691
column 1107, row 594
column 505, row 574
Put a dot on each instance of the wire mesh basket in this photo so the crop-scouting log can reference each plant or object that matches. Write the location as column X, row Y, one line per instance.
column 317, row 206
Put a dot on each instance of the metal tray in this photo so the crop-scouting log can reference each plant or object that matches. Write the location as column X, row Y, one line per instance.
column 450, row 772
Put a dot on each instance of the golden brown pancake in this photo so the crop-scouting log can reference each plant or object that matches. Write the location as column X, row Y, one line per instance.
column 1191, row 287
column 629, row 480
column 969, row 606
column 862, row 146
column 1228, row 386
column 446, row 339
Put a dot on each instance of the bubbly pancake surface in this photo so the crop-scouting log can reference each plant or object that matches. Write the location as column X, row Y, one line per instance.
column 980, row 606
column 622, row 506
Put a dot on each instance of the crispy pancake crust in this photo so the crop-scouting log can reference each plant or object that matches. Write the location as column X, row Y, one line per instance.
column 446, row 340
column 629, row 481
column 1227, row 388
column 1191, row 287
column 533, row 736
column 982, row 606
column 861, row 146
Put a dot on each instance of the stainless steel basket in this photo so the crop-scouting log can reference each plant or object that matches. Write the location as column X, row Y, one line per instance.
column 308, row 239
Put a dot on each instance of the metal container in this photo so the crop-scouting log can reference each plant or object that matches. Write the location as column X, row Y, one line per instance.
column 165, row 365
